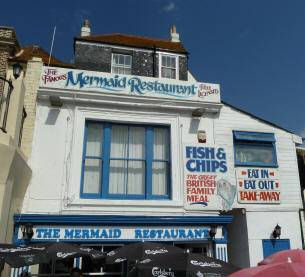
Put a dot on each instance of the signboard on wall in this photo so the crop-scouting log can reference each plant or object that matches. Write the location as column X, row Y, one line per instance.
column 206, row 182
column 118, row 233
column 63, row 78
column 258, row 185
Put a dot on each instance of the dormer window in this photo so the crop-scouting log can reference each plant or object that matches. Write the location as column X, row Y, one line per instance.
column 121, row 64
column 168, row 66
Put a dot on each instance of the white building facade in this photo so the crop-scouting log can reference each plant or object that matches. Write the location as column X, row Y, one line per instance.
column 119, row 158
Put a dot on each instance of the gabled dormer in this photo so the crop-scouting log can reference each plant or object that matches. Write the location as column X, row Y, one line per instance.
column 131, row 55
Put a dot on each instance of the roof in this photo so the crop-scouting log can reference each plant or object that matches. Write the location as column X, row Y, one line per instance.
column 134, row 41
column 35, row 51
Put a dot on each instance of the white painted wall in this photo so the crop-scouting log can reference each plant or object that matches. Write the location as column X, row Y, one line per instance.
column 57, row 151
column 261, row 226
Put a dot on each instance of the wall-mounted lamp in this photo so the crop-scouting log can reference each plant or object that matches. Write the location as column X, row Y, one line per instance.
column 27, row 231
column 212, row 232
column 197, row 113
column 17, row 69
column 277, row 231
column 55, row 101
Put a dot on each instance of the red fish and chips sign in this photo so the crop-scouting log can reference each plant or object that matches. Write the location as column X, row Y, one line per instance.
column 258, row 185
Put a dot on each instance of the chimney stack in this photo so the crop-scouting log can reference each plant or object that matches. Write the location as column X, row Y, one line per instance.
column 174, row 36
column 85, row 31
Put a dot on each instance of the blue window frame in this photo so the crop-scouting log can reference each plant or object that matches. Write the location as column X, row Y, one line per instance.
column 254, row 149
column 125, row 161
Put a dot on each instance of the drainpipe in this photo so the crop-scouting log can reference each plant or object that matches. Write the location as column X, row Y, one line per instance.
column 302, row 234
column 154, row 61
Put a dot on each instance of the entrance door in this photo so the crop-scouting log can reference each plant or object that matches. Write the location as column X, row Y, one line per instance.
column 271, row 246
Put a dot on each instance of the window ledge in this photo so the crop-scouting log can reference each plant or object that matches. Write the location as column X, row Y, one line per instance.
column 123, row 203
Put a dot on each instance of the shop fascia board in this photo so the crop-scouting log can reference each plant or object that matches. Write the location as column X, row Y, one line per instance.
column 86, row 97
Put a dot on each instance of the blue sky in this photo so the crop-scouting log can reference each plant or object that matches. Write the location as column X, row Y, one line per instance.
column 255, row 49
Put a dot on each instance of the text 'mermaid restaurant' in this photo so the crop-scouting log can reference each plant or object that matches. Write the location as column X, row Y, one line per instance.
column 128, row 146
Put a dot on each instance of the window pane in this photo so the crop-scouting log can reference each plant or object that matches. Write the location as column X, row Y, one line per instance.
column 163, row 60
column 119, row 141
column 117, row 177
column 173, row 62
column 173, row 73
column 127, row 71
column 136, row 177
column 137, row 142
column 121, row 59
column 160, row 143
column 159, row 178
column 165, row 73
column 94, row 140
column 128, row 60
column 115, row 59
column 115, row 70
column 254, row 153
column 92, row 176
column 121, row 70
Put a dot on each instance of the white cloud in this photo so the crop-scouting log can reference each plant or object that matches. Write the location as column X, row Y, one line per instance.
column 170, row 7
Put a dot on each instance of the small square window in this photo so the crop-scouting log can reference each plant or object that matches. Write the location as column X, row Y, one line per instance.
column 254, row 149
column 121, row 64
column 168, row 67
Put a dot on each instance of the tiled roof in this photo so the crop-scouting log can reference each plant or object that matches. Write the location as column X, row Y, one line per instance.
column 133, row 41
column 36, row 51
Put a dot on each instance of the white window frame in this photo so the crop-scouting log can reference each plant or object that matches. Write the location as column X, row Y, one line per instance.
column 103, row 114
column 124, row 66
column 177, row 65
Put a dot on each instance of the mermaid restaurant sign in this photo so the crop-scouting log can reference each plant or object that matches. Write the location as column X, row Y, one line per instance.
column 63, row 78
column 206, row 182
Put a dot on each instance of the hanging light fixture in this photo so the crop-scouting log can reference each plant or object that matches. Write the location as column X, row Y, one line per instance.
column 27, row 231
column 277, row 231
column 17, row 69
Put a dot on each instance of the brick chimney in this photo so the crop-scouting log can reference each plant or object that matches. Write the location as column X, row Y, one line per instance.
column 174, row 36
column 85, row 31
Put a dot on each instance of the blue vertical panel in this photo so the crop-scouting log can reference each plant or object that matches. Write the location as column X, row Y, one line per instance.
column 106, row 161
column 225, row 254
column 271, row 246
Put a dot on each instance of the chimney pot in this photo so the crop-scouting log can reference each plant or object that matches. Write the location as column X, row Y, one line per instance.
column 86, row 31
column 174, row 36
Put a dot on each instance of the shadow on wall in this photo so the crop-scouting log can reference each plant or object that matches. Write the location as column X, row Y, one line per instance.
column 195, row 122
column 52, row 116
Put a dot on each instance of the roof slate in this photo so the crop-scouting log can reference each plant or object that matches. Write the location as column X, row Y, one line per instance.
column 134, row 41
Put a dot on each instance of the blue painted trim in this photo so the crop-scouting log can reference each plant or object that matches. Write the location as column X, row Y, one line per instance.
column 260, row 136
column 251, row 142
column 20, row 242
column 120, row 220
column 106, row 158
column 106, row 163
